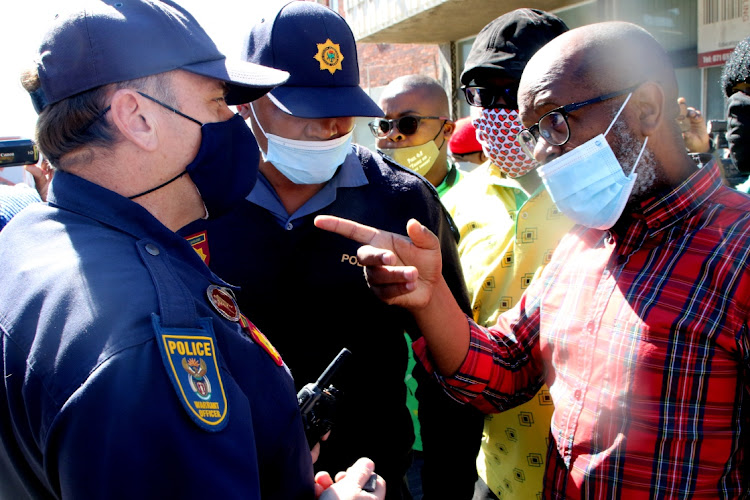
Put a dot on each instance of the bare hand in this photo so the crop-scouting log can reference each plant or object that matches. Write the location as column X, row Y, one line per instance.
column 400, row 271
column 348, row 485
column 42, row 175
column 693, row 127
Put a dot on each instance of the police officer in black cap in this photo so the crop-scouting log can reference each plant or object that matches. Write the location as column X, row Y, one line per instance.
column 303, row 286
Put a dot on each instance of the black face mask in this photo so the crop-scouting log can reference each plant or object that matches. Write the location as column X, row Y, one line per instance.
column 226, row 166
column 738, row 130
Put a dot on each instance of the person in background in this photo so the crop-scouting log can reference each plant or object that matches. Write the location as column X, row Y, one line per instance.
column 303, row 287
column 128, row 369
column 464, row 148
column 693, row 128
column 639, row 324
column 509, row 228
column 416, row 129
column 415, row 133
column 13, row 199
column 735, row 82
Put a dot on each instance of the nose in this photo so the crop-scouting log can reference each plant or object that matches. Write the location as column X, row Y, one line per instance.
column 323, row 128
column 544, row 152
column 394, row 134
column 226, row 113
column 330, row 128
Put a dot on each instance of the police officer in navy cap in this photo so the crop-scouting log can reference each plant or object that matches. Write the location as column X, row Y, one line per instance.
column 128, row 369
column 302, row 286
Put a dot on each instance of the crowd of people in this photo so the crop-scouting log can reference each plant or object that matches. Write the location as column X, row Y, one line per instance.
column 568, row 265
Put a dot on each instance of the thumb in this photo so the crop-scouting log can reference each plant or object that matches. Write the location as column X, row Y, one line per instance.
column 360, row 472
column 421, row 236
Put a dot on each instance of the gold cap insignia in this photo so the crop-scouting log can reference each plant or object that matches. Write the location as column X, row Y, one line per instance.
column 329, row 56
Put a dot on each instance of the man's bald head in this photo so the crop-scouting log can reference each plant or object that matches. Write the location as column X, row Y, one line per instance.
column 597, row 60
column 429, row 89
column 602, row 58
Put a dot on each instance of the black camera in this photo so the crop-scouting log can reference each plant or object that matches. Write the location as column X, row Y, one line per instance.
column 317, row 404
column 18, row 152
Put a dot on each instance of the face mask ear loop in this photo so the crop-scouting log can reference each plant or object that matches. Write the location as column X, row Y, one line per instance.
column 618, row 114
column 252, row 108
column 643, row 148
column 645, row 141
column 440, row 132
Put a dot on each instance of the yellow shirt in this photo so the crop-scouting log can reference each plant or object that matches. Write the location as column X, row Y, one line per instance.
column 506, row 240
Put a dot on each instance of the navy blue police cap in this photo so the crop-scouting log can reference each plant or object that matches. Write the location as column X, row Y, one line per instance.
column 316, row 46
column 98, row 42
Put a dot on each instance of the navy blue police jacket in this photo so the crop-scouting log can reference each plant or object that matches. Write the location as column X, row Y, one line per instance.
column 306, row 291
column 121, row 379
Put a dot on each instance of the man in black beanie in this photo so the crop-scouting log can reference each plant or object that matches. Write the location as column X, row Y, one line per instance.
column 736, row 86
column 503, row 202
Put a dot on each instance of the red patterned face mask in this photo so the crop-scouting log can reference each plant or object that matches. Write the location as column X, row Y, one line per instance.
column 496, row 132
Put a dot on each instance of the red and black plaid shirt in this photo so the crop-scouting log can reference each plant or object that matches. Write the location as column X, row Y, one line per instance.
column 641, row 334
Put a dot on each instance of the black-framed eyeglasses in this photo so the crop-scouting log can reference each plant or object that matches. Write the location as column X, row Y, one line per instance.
column 553, row 126
column 491, row 97
column 407, row 125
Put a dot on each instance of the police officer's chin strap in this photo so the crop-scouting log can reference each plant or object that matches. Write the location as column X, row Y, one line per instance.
column 170, row 181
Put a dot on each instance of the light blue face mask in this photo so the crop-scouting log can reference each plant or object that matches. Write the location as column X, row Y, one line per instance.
column 305, row 162
column 588, row 183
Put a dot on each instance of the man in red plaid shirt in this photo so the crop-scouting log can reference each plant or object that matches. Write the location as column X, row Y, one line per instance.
column 639, row 324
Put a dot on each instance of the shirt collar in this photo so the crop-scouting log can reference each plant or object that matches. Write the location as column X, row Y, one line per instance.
column 683, row 200
column 75, row 194
column 450, row 179
column 661, row 212
column 350, row 174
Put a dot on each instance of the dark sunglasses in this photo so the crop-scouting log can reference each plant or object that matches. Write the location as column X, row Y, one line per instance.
column 491, row 97
column 407, row 125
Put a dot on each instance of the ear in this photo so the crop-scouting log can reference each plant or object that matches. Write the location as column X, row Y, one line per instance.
column 135, row 122
column 652, row 106
column 244, row 111
column 448, row 129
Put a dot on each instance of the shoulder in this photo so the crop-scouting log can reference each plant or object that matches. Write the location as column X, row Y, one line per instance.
column 480, row 195
column 382, row 169
column 728, row 210
column 67, row 274
column 408, row 194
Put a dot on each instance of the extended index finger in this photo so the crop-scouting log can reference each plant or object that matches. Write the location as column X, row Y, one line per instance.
column 347, row 228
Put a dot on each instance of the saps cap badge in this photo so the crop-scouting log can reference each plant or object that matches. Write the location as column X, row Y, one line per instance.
column 329, row 56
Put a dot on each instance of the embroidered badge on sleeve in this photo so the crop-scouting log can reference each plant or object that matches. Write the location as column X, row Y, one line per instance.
column 191, row 362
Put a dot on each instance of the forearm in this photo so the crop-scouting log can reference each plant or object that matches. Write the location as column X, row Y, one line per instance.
column 445, row 329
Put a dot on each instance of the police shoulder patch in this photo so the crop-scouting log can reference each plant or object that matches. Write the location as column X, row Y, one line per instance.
column 191, row 361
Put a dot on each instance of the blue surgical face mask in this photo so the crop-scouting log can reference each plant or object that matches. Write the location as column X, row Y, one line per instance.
column 588, row 183
column 305, row 162
column 226, row 166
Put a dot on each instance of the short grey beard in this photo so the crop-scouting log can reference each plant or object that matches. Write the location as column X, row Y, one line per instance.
column 629, row 148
